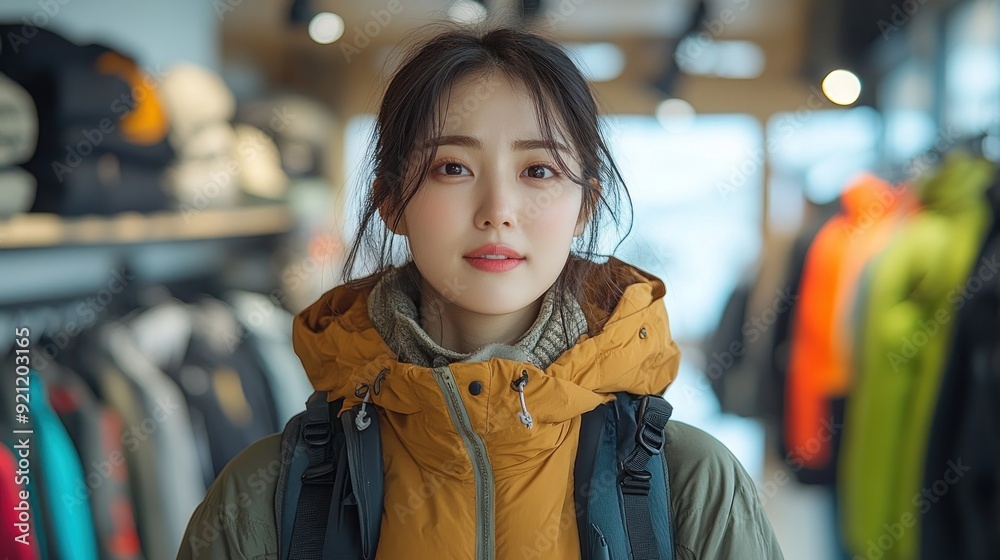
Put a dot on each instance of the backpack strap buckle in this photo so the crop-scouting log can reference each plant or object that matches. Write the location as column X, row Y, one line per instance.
column 317, row 433
column 651, row 421
column 635, row 482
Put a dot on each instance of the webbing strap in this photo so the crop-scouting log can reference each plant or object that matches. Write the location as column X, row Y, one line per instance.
column 654, row 412
column 317, row 481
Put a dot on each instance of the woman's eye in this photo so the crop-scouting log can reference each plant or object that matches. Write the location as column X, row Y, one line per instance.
column 451, row 168
column 539, row 172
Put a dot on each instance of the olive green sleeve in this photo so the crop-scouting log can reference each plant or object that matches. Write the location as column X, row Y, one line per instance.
column 236, row 518
column 717, row 514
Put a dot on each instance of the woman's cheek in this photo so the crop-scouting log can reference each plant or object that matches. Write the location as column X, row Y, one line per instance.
column 431, row 211
column 557, row 216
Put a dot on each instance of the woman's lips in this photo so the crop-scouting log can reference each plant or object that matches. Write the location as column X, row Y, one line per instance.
column 493, row 265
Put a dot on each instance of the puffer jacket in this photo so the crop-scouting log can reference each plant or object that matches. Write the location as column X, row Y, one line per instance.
column 464, row 478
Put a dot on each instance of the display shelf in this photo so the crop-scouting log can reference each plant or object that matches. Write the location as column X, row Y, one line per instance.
column 26, row 231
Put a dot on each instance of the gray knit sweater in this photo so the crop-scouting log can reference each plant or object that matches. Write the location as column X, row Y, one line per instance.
column 393, row 307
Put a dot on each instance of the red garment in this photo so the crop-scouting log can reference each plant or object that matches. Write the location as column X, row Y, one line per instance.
column 817, row 369
column 9, row 499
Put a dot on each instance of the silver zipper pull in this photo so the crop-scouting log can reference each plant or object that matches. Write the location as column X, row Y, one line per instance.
column 518, row 385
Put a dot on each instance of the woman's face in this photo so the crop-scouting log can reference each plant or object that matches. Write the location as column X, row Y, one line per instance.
column 492, row 181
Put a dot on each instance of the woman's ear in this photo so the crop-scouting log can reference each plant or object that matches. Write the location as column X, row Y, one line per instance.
column 385, row 212
column 585, row 216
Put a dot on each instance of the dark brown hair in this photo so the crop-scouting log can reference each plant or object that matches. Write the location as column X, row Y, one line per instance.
column 412, row 112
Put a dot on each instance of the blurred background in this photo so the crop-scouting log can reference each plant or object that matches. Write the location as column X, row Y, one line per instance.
column 814, row 181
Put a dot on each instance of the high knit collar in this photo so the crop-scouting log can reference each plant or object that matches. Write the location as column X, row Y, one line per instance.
column 393, row 308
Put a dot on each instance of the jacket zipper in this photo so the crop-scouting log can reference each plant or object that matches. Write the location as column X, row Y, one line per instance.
column 480, row 464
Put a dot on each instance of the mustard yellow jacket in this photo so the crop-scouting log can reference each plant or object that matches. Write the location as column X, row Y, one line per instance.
column 463, row 477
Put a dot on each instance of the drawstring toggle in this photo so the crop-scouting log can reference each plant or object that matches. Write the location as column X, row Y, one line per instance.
column 518, row 385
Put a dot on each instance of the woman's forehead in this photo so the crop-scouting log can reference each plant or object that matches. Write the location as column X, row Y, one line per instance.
column 495, row 107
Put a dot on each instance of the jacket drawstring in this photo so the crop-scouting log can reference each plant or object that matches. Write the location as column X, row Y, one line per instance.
column 518, row 385
column 361, row 420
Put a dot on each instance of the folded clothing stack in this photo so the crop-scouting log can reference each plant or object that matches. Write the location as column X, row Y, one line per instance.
column 101, row 143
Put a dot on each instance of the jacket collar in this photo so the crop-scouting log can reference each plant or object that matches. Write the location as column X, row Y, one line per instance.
column 632, row 351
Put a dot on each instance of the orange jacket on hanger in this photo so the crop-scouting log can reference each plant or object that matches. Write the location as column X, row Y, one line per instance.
column 817, row 371
column 883, row 209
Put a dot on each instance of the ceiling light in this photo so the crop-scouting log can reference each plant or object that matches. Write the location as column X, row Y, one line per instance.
column 842, row 87
column 326, row 27
column 467, row 11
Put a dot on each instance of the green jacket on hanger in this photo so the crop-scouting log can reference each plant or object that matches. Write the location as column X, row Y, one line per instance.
column 916, row 286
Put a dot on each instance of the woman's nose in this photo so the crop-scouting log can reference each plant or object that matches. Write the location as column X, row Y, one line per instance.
column 497, row 205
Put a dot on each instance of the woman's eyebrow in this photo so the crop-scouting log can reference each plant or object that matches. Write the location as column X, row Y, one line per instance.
column 476, row 144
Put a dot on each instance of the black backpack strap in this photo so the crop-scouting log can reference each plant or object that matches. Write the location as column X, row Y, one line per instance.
column 364, row 451
column 585, row 469
column 293, row 463
column 634, row 479
column 317, row 480
column 329, row 499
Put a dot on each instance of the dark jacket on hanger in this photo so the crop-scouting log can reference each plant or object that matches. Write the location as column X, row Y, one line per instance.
column 964, row 447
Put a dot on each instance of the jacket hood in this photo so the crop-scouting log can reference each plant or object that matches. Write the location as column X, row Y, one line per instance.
column 866, row 191
column 632, row 351
column 959, row 183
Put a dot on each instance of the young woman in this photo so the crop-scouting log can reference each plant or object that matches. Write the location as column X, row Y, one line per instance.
column 489, row 161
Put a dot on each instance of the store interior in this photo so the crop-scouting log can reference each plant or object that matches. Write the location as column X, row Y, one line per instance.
column 815, row 182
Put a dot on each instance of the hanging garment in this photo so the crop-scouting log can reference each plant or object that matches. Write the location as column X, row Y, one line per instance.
column 817, row 378
column 725, row 352
column 268, row 329
column 781, row 331
column 96, row 432
column 72, row 524
column 885, row 213
column 747, row 388
column 160, row 439
column 904, row 338
column 200, row 348
column 963, row 455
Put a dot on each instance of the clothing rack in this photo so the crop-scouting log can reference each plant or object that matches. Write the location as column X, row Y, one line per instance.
column 60, row 275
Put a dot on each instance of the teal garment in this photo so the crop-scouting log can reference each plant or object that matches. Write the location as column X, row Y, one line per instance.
column 58, row 463
column 914, row 289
